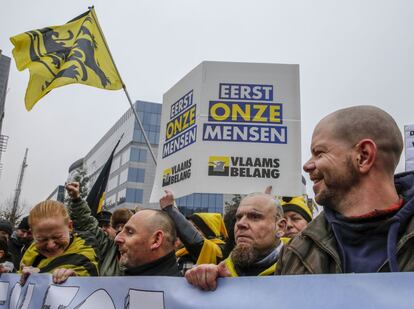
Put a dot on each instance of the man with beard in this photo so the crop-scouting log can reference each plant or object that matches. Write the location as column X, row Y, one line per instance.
column 367, row 224
column 259, row 226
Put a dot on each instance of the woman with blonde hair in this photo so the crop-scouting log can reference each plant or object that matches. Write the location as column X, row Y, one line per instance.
column 56, row 248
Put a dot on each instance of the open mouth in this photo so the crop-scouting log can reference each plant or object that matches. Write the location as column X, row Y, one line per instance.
column 315, row 180
column 121, row 252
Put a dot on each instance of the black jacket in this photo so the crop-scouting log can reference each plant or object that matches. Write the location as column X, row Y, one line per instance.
column 165, row 266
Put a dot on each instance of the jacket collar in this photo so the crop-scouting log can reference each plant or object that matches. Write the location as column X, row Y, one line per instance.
column 164, row 266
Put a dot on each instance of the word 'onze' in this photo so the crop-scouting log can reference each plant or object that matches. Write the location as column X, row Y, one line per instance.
column 180, row 123
column 225, row 111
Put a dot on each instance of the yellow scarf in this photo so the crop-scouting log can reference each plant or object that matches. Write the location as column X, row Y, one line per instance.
column 230, row 266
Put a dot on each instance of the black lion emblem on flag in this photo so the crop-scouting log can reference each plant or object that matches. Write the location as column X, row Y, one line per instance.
column 53, row 49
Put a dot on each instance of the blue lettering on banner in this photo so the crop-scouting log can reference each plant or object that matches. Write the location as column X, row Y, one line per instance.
column 182, row 104
column 374, row 290
column 179, row 142
column 245, row 133
column 251, row 92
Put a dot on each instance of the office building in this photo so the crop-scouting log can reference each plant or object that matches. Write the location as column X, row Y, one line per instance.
column 4, row 77
column 58, row 194
column 133, row 170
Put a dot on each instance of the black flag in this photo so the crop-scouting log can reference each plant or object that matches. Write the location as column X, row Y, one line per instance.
column 96, row 196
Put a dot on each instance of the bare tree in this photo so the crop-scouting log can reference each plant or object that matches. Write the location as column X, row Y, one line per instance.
column 233, row 204
column 6, row 211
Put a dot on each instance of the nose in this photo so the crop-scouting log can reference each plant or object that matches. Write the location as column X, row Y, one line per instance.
column 50, row 244
column 119, row 238
column 309, row 166
column 241, row 223
column 288, row 223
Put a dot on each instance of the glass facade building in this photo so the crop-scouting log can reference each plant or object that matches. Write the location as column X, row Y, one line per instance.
column 133, row 170
column 4, row 77
column 58, row 194
column 200, row 202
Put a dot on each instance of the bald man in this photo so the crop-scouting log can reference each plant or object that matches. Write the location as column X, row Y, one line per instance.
column 146, row 245
column 259, row 226
column 367, row 224
column 144, row 248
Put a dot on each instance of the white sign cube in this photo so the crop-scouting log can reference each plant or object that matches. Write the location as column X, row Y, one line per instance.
column 231, row 128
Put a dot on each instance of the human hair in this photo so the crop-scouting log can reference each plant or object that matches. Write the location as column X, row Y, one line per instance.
column 355, row 123
column 272, row 200
column 120, row 216
column 47, row 209
column 160, row 220
column 229, row 219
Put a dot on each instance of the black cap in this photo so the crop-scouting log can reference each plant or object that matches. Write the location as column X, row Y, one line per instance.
column 104, row 216
column 24, row 224
column 6, row 226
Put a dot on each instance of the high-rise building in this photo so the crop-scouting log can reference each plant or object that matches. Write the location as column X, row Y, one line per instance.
column 58, row 194
column 4, row 77
column 133, row 170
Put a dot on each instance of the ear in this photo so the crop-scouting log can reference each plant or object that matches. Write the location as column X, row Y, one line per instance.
column 366, row 155
column 70, row 225
column 157, row 239
column 280, row 227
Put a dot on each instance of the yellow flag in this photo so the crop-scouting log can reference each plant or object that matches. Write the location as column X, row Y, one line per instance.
column 75, row 52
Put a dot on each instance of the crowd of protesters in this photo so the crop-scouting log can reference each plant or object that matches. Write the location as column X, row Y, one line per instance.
column 367, row 224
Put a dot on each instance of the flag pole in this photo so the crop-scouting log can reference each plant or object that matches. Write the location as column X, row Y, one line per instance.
column 140, row 126
column 124, row 87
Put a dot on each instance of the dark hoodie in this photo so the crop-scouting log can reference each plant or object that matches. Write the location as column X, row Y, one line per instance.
column 366, row 243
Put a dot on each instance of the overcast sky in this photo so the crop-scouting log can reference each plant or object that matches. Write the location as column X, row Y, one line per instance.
column 350, row 52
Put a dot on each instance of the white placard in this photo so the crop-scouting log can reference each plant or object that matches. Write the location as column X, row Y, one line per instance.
column 231, row 128
column 409, row 147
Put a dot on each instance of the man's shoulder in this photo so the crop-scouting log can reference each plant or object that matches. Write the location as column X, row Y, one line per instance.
column 317, row 236
column 83, row 240
column 318, row 229
column 310, row 251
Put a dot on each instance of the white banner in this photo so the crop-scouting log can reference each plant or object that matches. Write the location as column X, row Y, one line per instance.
column 409, row 147
column 231, row 128
column 379, row 291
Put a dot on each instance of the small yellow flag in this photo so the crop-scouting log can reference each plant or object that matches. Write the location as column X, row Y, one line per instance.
column 75, row 52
